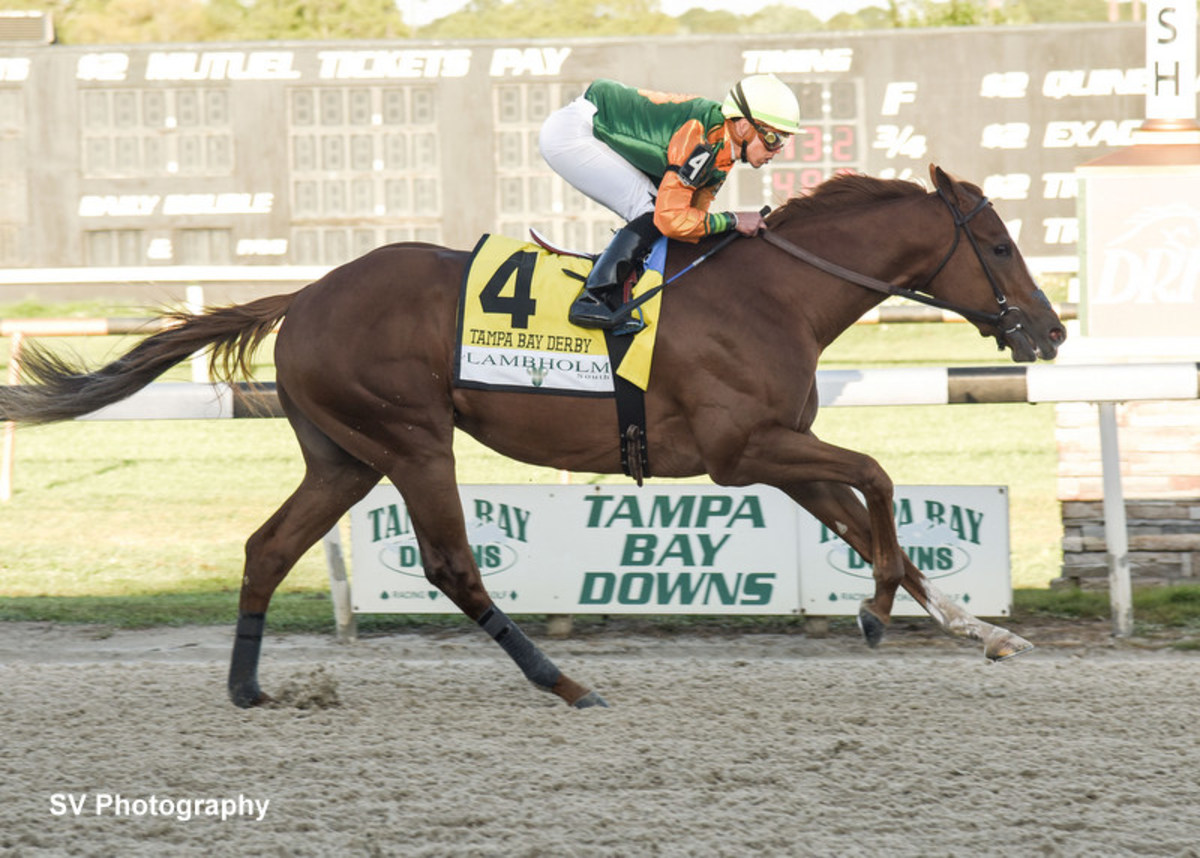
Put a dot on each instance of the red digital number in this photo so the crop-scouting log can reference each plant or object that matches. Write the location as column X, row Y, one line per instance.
column 843, row 148
column 811, row 177
column 783, row 184
column 810, row 143
column 788, row 183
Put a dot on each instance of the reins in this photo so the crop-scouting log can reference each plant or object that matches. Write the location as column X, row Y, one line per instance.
column 628, row 308
column 890, row 289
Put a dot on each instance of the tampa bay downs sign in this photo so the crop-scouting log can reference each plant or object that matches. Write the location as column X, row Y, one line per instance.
column 679, row 549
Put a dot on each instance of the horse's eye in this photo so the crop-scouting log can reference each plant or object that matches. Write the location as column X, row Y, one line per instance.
column 1003, row 250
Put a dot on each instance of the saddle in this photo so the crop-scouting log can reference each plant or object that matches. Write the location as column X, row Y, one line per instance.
column 546, row 244
column 652, row 262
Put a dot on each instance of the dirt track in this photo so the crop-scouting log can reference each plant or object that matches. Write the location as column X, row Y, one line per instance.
column 715, row 745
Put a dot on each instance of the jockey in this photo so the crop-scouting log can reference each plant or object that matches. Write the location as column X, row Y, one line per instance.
column 657, row 160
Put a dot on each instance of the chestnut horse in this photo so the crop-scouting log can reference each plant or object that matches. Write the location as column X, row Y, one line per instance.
column 365, row 360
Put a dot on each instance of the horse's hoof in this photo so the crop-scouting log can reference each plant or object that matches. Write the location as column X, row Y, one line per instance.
column 871, row 626
column 248, row 698
column 589, row 700
column 1006, row 646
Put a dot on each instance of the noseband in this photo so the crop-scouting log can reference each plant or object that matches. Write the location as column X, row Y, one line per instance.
column 998, row 319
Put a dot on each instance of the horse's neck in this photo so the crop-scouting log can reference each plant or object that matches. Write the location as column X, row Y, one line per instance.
column 894, row 243
column 831, row 318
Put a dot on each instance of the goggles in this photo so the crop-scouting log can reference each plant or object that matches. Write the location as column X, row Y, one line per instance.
column 772, row 139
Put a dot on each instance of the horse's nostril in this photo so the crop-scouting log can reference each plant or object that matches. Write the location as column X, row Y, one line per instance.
column 1057, row 335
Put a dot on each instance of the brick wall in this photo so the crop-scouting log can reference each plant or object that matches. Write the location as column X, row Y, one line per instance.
column 1164, row 543
column 1160, row 478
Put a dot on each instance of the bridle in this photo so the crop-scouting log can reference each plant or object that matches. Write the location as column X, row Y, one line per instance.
column 1012, row 317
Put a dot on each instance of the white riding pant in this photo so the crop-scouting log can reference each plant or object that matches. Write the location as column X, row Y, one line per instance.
column 590, row 165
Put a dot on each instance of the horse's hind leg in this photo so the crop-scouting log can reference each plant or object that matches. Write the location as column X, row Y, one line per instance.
column 333, row 482
column 431, row 494
column 835, row 506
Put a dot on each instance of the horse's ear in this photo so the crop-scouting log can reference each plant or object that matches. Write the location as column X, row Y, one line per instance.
column 941, row 179
column 950, row 187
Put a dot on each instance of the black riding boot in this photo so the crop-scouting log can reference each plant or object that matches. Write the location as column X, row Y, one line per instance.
column 630, row 243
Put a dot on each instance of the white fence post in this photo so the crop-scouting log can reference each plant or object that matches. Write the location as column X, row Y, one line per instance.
column 1116, row 538
column 195, row 304
column 8, row 460
column 339, row 586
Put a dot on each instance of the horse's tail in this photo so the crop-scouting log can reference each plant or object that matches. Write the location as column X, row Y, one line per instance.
column 59, row 390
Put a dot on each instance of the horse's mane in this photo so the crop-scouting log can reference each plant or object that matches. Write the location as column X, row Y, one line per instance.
column 846, row 191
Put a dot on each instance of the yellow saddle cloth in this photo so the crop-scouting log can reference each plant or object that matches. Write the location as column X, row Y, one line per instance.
column 513, row 332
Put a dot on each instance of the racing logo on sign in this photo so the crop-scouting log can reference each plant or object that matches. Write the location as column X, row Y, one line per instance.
column 937, row 537
column 491, row 534
column 1155, row 260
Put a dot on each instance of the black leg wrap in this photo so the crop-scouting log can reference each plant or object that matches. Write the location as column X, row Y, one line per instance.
column 533, row 662
column 243, row 665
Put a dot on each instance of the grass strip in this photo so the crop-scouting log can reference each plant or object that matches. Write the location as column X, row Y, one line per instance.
column 1166, row 607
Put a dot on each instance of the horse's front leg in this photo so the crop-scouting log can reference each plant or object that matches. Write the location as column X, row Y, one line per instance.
column 835, row 506
column 789, row 460
column 998, row 642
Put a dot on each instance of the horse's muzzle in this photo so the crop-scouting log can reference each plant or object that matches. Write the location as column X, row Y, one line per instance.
column 1030, row 340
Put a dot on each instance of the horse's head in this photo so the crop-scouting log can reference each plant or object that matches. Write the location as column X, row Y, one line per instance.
column 987, row 276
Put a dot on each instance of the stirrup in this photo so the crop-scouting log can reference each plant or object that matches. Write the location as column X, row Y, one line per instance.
column 588, row 310
column 628, row 323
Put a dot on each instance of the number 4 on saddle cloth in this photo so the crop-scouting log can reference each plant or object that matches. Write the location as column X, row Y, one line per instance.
column 513, row 334
column 513, row 329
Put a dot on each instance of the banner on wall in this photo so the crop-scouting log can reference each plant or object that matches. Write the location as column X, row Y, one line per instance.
column 676, row 549
column 956, row 535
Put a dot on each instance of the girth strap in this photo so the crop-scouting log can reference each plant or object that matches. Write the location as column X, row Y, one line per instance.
column 631, row 412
